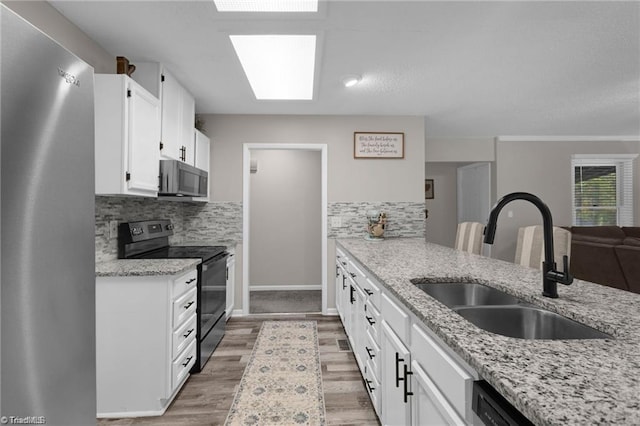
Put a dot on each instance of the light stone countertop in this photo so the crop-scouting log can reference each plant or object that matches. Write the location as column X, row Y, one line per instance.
column 144, row 267
column 550, row 381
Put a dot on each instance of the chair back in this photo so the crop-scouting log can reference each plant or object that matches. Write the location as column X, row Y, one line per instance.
column 469, row 237
column 530, row 246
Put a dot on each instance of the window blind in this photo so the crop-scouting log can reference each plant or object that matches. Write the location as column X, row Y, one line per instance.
column 602, row 191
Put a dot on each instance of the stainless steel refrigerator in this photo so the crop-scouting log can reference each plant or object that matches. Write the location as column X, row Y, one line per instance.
column 47, row 266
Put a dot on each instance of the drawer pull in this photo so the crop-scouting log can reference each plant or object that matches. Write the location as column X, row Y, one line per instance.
column 190, row 281
column 344, row 263
column 398, row 361
column 369, row 292
column 370, row 320
column 337, row 271
column 353, row 290
column 406, row 383
column 188, row 305
column 369, row 350
column 188, row 333
column 353, row 275
column 184, row 364
column 344, row 282
column 371, row 388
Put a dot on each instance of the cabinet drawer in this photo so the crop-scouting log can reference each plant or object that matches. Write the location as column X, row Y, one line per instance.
column 184, row 283
column 184, row 306
column 453, row 381
column 372, row 320
column 357, row 272
column 372, row 349
column 373, row 388
column 429, row 405
column 372, row 288
column 395, row 316
column 181, row 365
column 183, row 336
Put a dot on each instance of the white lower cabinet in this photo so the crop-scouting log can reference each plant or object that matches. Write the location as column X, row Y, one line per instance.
column 396, row 379
column 429, row 406
column 145, row 342
column 231, row 282
column 411, row 376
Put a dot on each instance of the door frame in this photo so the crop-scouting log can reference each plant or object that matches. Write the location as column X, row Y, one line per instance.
column 246, row 169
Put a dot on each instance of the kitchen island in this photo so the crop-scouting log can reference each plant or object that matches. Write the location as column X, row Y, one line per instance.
column 591, row 381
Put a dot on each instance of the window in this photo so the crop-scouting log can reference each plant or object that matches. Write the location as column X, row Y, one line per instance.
column 602, row 190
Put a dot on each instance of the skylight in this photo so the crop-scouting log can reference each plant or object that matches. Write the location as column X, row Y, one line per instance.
column 266, row 5
column 278, row 66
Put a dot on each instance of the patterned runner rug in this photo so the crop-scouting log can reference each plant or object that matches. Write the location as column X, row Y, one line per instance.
column 282, row 383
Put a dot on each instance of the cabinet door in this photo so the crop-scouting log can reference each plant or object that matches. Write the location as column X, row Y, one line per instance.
column 187, row 121
column 143, row 138
column 202, row 150
column 430, row 407
column 171, row 116
column 395, row 380
column 231, row 281
column 358, row 327
column 339, row 290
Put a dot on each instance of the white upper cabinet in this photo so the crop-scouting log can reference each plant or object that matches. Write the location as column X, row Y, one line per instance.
column 178, row 109
column 127, row 134
column 202, row 150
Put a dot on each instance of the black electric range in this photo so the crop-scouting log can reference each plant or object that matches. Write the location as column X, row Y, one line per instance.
column 149, row 239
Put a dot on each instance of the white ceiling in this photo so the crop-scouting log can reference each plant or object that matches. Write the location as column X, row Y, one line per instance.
column 473, row 69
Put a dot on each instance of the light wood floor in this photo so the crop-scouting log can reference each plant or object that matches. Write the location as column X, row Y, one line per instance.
column 206, row 397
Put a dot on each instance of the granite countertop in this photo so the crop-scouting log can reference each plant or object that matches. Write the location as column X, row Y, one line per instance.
column 550, row 381
column 144, row 267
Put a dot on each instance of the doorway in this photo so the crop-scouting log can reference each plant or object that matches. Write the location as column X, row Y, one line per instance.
column 284, row 245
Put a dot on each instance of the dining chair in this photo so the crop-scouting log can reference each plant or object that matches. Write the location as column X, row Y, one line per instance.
column 469, row 237
column 530, row 246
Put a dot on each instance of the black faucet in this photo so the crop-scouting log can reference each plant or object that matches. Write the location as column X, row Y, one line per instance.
column 550, row 276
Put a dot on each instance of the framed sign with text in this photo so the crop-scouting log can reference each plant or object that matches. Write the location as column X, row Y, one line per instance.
column 378, row 145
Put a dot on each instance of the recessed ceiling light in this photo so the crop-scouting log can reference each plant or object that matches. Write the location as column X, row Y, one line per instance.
column 266, row 5
column 278, row 66
column 351, row 80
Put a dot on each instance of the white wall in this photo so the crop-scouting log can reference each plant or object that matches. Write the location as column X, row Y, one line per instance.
column 459, row 150
column 349, row 179
column 285, row 231
column 44, row 16
column 543, row 168
column 442, row 222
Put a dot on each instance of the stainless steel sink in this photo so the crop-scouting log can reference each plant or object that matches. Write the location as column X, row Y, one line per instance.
column 466, row 294
column 527, row 322
column 501, row 313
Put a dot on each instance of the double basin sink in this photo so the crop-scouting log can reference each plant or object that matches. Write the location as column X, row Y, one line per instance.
column 501, row 313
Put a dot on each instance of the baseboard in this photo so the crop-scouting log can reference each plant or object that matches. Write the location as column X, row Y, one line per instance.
column 332, row 312
column 236, row 313
column 284, row 287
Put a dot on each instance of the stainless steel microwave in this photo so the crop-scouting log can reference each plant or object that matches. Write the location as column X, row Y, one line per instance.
column 182, row 180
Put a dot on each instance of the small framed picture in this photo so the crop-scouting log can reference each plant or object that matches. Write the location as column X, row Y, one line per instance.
column 428, row 189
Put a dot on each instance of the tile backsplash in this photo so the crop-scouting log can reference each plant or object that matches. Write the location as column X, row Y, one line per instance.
column 222, row 220
column 404, row 219
column 219, row 221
